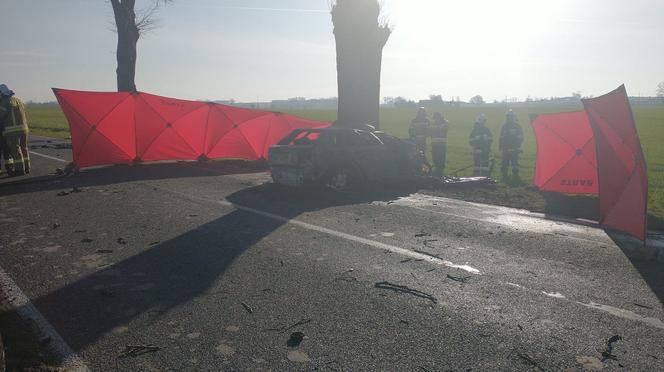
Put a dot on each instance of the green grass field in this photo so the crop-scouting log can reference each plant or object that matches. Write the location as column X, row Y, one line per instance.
column 49, row 121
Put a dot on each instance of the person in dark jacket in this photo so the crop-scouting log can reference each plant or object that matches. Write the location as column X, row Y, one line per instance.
column 14, row 132
column 480, row 140
column 417, row 131
column 511, row 138
column 438, row 133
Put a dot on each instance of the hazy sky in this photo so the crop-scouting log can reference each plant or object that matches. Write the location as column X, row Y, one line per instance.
column 261, row 50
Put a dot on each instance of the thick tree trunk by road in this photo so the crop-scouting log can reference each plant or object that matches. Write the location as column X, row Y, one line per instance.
column 128, row 34
column 360, row 40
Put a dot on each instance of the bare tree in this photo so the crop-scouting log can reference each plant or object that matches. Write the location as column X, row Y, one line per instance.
column 360, row 38
column 477, row 100
column 660, row 89
column 129, row 27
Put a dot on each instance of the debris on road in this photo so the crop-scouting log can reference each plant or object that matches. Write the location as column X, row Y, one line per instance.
column 154, row 243
column 122, row 241
column 530, row 361
column 608, row 352
column 131, row 351
column 427, row 241
column 56, row 225
column 295, row 339
column 422, row 234
column 72, row 191
column 643, row 306
column 405, row 289
column 105, row 251
column 86, row 240
column 461, row 279
column 247, row 307
column 427, row 253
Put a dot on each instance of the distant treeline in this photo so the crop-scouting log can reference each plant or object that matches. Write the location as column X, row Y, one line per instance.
column 329, row 102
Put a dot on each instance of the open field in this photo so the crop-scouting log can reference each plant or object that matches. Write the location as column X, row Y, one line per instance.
column 49, row 121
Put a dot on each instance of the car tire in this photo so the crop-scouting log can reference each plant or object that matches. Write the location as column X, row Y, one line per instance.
column 344, row 178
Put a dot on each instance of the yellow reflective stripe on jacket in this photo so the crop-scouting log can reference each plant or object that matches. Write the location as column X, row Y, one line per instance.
column 14, row 120
column 15, row 130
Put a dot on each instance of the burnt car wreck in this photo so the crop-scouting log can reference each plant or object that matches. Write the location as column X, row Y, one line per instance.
column 344, row 158
column 348, row 158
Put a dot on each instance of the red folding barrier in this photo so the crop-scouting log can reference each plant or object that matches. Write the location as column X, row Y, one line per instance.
column 120, row 128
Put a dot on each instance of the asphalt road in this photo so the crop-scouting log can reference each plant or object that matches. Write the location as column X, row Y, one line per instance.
column 216, row 268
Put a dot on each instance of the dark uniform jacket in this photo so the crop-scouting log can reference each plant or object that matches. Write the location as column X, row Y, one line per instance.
column 511, row 136
column 481, row 138
column 439, row 129
column 418, row 127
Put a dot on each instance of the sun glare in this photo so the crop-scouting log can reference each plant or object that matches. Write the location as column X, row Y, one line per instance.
column 490, row 37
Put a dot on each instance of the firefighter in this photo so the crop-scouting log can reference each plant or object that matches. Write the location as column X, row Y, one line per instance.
column 511, row 137
column 418, row 129
column 480, row 140
column 15, row 132
column 439, row 142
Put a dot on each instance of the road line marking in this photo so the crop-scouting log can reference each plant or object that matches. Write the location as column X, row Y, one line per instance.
column 615, row 311
column 357, row 239
column 49, row 157
column 57, row 347
column 654, row 322
column 339, row 234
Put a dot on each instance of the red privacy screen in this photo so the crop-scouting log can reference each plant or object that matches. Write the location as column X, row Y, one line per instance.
column 623, row 176
column 596, row 151
column 566, row 156
column 120, row 128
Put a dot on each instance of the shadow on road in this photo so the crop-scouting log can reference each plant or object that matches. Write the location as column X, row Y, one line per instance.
column 649, row 268
column 126, row 173
column 175, row 272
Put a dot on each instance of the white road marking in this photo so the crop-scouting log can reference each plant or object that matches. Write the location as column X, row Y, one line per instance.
column 654, row 322
column 620, row 313
column 57, row 347
column 49, row 157
column 554, row 294
column 357, row 239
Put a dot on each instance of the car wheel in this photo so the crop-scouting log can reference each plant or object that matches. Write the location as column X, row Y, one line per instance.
column 342, row 179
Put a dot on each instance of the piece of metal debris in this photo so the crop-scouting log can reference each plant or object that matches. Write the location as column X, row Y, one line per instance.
column 121, row 241
column 295, row 339
column 643, row 306
column 461, row 279
column 247, row 307
column 136, row 350
column 608, row 352
column 406, row 290
column 530, row 361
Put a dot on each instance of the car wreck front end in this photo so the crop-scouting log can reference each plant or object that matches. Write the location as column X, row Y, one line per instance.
column 291, row 160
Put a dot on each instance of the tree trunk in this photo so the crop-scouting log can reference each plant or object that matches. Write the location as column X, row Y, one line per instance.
column 360, row 40
column 128, row 34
